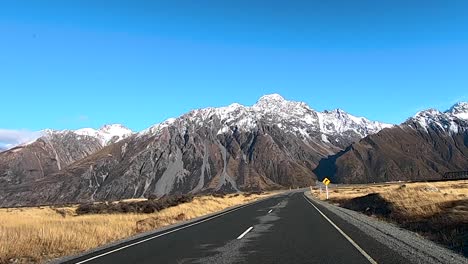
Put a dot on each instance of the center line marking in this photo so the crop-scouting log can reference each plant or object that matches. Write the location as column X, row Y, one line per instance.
column 245, row 233
column 157, row 235
column 270, row 211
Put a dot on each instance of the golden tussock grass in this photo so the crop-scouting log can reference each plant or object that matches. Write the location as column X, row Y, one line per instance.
column 436, row 210
column 31, row 235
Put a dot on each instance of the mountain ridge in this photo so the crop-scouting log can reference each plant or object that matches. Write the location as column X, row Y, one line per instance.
column 425, row 146
column 273, row 144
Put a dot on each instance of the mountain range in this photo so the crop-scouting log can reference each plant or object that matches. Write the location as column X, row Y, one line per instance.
column 423, row 147
column 273, row 144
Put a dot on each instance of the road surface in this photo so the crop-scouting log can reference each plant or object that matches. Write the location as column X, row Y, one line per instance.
column 283, row 229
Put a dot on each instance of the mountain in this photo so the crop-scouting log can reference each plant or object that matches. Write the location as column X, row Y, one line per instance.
column 425, row 146
column 107, row 134
column 273, row 144
column 53, row 151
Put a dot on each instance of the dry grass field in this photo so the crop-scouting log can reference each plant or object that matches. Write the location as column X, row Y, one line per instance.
column 436, row 210
column 31, row 235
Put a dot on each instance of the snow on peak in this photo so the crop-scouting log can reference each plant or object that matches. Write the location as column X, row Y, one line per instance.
column 271, row 98
column 290, row 116
column 428, row 113
column 275, row 104
column 106, row 134
column 157, row 127
column 460, row 105
column 447, row 121
column 115, row 130
column 459, row 110
column 275, row 101
column 338, row 121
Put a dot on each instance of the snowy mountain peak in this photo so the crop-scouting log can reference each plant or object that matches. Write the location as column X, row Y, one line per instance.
column 448, row 121
column 106, row 134
column 273, row 110
column 110, row 127
column 460, row 105
column 115, row 130
column 275, row 104
column 338, row 121
column 271, row 98
column 459, row 110
column 336, row 111
column 428, row 113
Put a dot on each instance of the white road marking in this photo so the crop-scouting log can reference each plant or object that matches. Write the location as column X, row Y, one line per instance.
column 245, row 233
column 270, row 211
column 369, row 258
column 166, row 233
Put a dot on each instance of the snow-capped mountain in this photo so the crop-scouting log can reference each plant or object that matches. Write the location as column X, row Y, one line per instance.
column 106, row 135
column 54, row 150
column 337, row 122
column 459, row 110
column 425, row 146
column 336, row 127
column 273, row 144
column 452, row 120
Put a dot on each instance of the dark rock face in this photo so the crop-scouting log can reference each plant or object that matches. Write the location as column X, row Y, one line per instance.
column 414, row 150
column 173, row 162
column 54, row 151
column 47, row 155
column 274, row 144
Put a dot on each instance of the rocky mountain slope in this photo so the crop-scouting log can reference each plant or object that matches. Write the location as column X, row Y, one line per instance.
column 54, row 151
column 273, row 144
column 424, row 147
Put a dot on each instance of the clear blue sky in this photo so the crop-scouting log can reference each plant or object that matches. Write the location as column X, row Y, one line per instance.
column 72, row 64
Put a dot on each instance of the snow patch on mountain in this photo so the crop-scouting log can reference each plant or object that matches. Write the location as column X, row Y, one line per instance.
column 460, row 110
column 157, row 128
column 290, row 116
column 337, row 122
column 450, row 121
column 105, row 135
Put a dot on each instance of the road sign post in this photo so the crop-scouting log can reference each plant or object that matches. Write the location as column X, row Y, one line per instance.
column 326, row 181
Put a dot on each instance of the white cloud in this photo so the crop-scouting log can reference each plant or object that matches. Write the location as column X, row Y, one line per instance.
column 10, row 137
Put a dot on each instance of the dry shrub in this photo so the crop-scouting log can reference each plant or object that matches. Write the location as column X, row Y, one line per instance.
column 180, row 217
column 219, row 195
column 146, row 207
column 371, row 204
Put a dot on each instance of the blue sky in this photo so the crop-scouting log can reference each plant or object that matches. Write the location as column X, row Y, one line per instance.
column 73, row 64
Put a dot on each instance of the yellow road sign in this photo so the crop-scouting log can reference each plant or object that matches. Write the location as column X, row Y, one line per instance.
column 326, row 181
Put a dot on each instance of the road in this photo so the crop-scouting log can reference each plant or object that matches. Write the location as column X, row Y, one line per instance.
column 284, row 229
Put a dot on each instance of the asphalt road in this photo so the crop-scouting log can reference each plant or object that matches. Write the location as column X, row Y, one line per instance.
column 283, row 229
